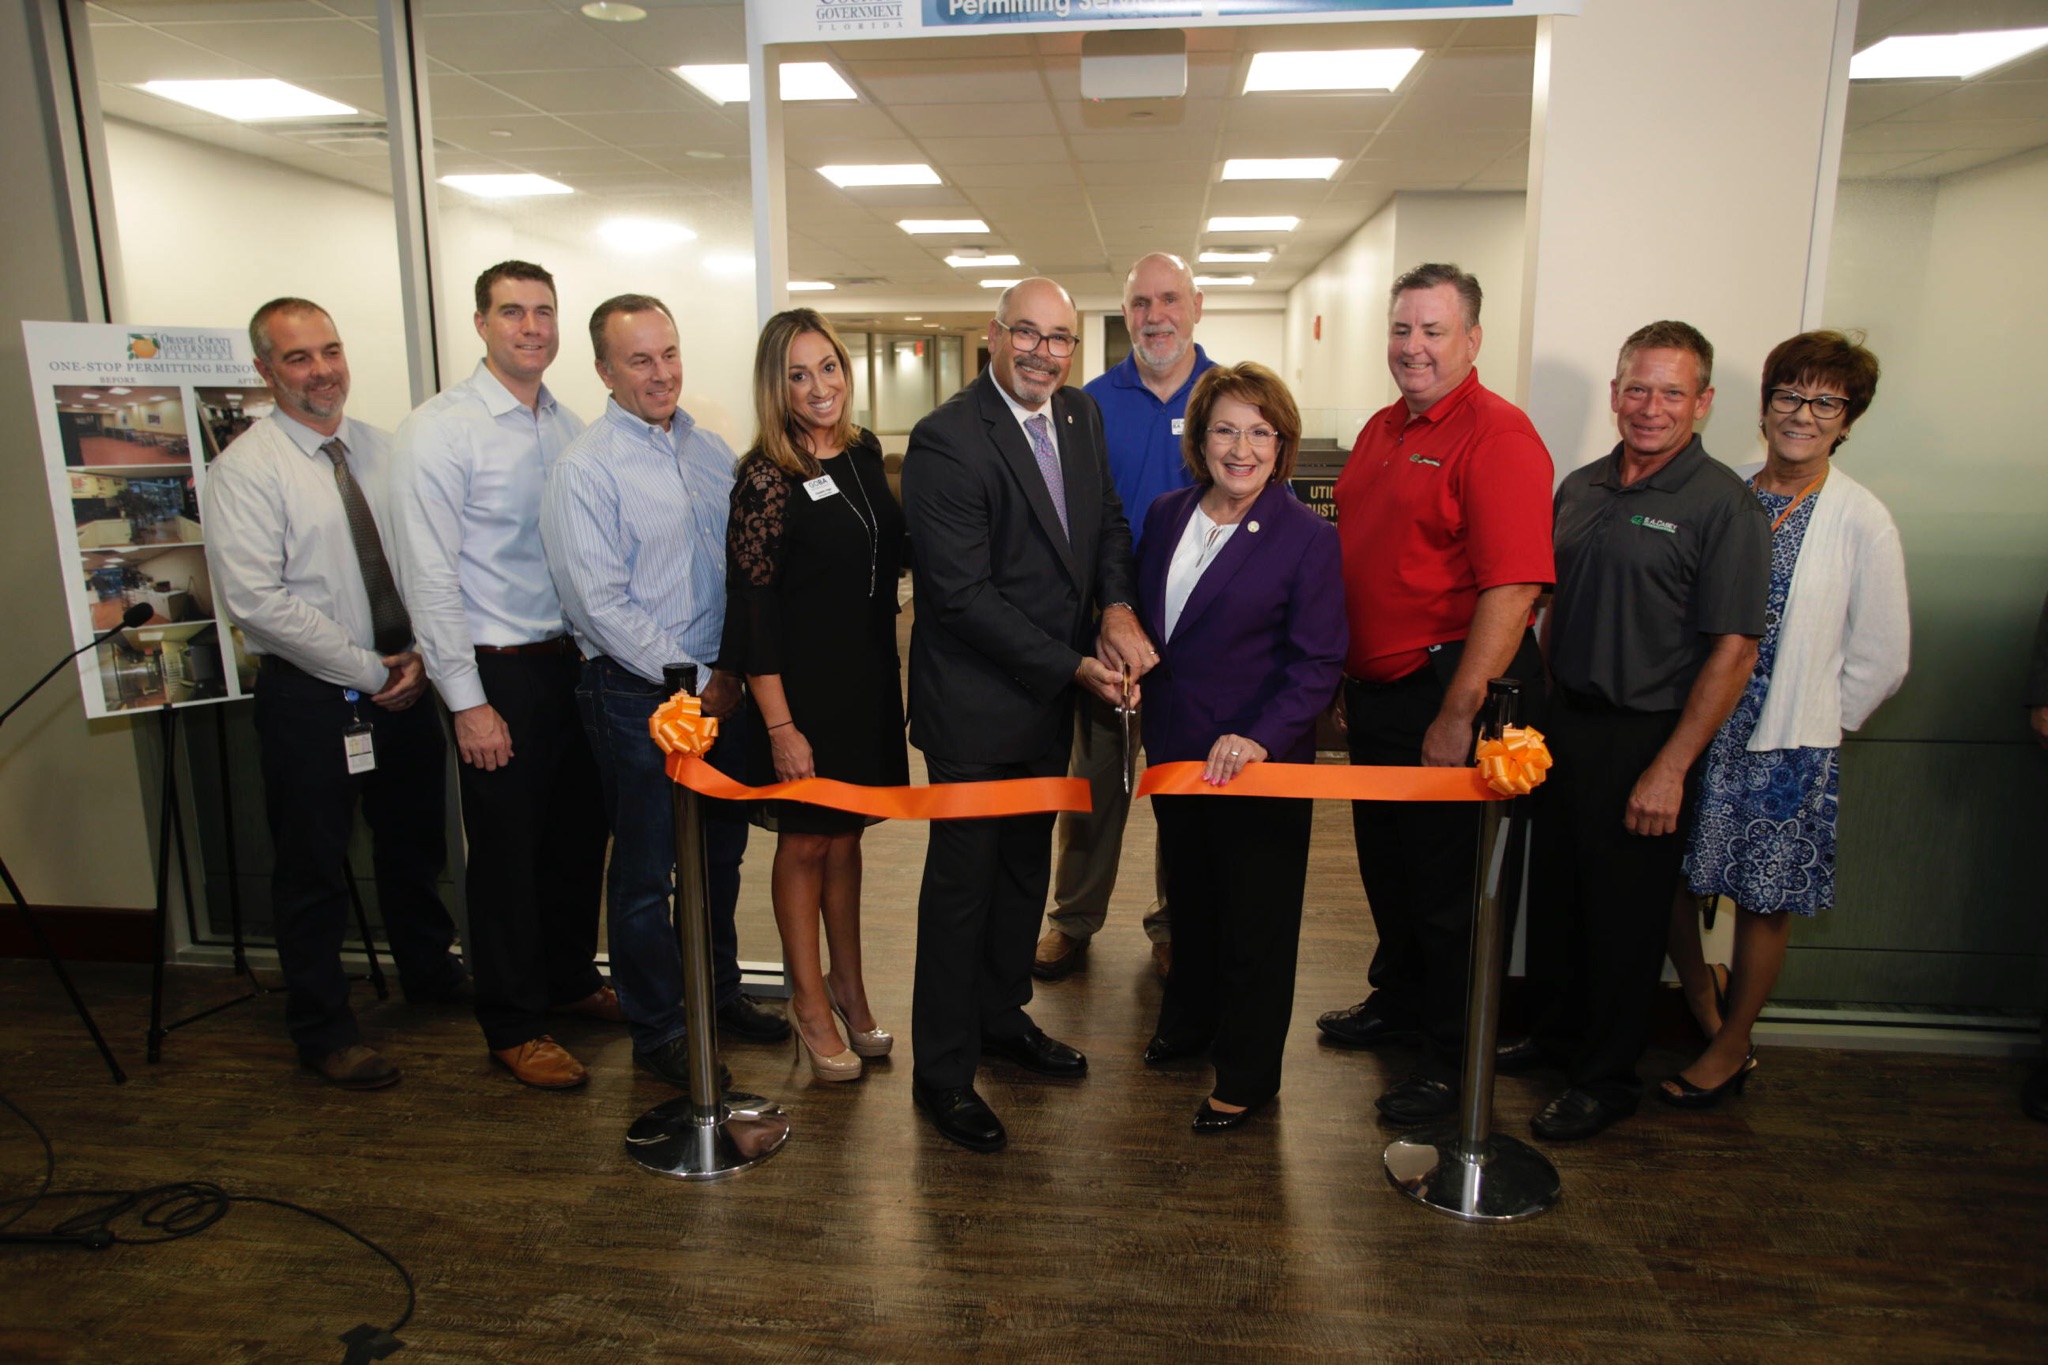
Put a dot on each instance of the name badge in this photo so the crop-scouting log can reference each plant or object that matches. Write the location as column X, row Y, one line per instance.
column 359, row 749
column 821, row 487
column 1179, row 424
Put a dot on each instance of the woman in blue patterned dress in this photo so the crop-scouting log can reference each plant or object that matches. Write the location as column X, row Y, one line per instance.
column 1834, row 647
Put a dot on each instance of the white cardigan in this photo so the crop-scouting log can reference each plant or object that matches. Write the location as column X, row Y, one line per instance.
column 1843, row 645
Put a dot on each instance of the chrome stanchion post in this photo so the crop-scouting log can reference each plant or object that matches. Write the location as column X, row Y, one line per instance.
column 1466, row 1169
column 712, row 1132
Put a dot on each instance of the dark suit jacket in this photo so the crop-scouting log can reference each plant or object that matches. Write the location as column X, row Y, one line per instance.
column 1259, row 647
column 1006, row 603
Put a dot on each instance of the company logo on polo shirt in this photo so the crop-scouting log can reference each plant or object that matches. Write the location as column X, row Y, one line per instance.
column 1669, row 528
column 1424, row 459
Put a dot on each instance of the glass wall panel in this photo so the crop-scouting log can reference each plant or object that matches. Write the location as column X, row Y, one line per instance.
column 903, row 382
column 1937, row 236
column 214, row 215
column 863, row 378
column 647, row 179
column 949, row 367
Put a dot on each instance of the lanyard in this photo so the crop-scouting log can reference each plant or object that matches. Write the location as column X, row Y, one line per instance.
column 1802, row 496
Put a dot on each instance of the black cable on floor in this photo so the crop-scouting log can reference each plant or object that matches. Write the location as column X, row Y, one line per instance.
column 173, row 1212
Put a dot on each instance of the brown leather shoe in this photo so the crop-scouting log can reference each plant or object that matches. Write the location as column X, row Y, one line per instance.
column 1058, row 956
column 602, row 1003
column 355, row 1067
column 543, row 1064
column 1162, row 959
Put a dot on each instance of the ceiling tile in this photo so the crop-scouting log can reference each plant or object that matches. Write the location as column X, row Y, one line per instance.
column 295, row 49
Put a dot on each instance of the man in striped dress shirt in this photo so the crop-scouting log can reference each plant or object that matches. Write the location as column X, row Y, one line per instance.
column 633, row 522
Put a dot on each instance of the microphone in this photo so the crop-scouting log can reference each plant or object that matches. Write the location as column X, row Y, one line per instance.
column 130, row 619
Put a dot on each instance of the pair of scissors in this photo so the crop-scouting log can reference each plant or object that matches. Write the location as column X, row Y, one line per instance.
column 1123, row 715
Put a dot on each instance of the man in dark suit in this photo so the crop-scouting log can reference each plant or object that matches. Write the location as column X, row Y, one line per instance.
column 1022, row 560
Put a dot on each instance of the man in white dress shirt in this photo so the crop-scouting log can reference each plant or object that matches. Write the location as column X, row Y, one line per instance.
column 292, row 538
column 466, row 474
column 634, row 525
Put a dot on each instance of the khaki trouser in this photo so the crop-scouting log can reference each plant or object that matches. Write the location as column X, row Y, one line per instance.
column 1088, row 847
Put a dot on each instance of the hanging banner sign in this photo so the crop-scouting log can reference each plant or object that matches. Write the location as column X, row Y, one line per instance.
column 130, row 419
column 806, row 21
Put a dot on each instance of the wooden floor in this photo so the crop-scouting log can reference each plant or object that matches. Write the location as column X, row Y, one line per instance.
column 1853, row 1207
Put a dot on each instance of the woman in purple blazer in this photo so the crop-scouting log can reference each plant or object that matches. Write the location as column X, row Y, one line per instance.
column 1240, row 585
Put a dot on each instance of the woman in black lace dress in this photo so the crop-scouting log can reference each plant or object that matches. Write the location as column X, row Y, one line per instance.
column 812, row 553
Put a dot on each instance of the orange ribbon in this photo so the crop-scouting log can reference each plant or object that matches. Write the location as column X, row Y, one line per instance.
column 1516, row 763
column 1511, row 766
column 684, row 733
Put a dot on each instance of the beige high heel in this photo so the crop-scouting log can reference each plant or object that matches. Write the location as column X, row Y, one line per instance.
column 874, row 1042
column 843, row 1065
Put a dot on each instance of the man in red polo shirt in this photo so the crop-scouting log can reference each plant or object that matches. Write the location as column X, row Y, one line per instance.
column 1444, row 512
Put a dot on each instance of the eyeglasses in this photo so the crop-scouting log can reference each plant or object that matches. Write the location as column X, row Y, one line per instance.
column 1258, row 438
column 1026, row 339
column 1825, row 405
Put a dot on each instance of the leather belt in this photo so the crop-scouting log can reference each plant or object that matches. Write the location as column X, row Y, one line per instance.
column 554, row 644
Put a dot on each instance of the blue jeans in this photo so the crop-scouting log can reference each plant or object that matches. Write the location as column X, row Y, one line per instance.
column 647, row 966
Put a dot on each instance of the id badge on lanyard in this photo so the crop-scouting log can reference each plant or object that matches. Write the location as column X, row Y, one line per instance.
column 358, row 746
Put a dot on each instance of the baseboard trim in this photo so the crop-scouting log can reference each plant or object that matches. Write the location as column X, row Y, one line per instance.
column 80, row 933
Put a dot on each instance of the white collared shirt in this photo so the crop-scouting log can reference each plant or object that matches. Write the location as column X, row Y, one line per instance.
column 278, row 544
column 467, row 469
column 1199, row 545
column 1024, row 415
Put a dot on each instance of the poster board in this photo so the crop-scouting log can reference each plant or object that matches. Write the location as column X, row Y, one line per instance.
column 130, row 419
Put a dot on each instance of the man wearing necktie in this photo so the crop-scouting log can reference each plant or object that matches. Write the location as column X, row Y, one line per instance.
column 1022, row 560
column 294, row 544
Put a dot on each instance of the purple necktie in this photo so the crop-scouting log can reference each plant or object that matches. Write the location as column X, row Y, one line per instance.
column 1049, row 466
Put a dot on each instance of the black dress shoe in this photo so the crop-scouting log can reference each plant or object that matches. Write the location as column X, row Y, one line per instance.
column 745, row 1018
column 1518, row 1055
column 671, row 1062
column 1576, row 1114
column 1033, row 1051
column 1417, row 1099
column 1159, row 1051
column 1212, row 1120
column 961, row 1116
column 1365, row 1024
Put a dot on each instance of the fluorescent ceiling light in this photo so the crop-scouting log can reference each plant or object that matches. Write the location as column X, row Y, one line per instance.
column 809, row 286
column 999, row 284
column 965, row 227
column 638, row 236
column 1222, row 279
column 612, row 12
column 519, row 186
column 1233, row 257
column 913, row 317
column 249, row 101
column 1252, row 224
column 1944, row 54
column 846, row 177
column 88, row 395
column 120, row 390
column 727, row 83
column 1358, row 69
column 980, row 262
column 1281, row 168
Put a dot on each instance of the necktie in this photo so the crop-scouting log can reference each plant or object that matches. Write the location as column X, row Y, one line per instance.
column 388, row 620
column 1049, row 466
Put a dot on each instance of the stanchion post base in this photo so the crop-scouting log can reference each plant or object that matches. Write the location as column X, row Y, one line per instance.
column 671, row 1140
column 1510, row 1182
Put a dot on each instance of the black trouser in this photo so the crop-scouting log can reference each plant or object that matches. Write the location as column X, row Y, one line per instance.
column 1236, row 867
column 1417, row 859
column 310, row 797
column 536, row 834
column 1599, row 897
column 977, row 922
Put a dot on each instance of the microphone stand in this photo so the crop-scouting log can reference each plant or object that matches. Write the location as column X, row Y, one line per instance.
column 28, row 916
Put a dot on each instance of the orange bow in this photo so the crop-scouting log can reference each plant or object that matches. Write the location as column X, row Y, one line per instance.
column 680, row 726
column 1517, row 762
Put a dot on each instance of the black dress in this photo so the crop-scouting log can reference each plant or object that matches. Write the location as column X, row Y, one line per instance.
column 811, row 595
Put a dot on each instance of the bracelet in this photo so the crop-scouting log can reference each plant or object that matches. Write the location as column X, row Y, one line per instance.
column 778, row 727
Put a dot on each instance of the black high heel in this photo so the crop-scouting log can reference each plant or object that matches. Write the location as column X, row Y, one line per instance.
column 1690, row 1096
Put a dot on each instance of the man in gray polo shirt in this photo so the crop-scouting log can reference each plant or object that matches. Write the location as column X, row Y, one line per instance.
column 1663, row 566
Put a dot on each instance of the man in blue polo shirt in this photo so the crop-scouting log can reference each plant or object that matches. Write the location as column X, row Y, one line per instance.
column 1143, row 399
